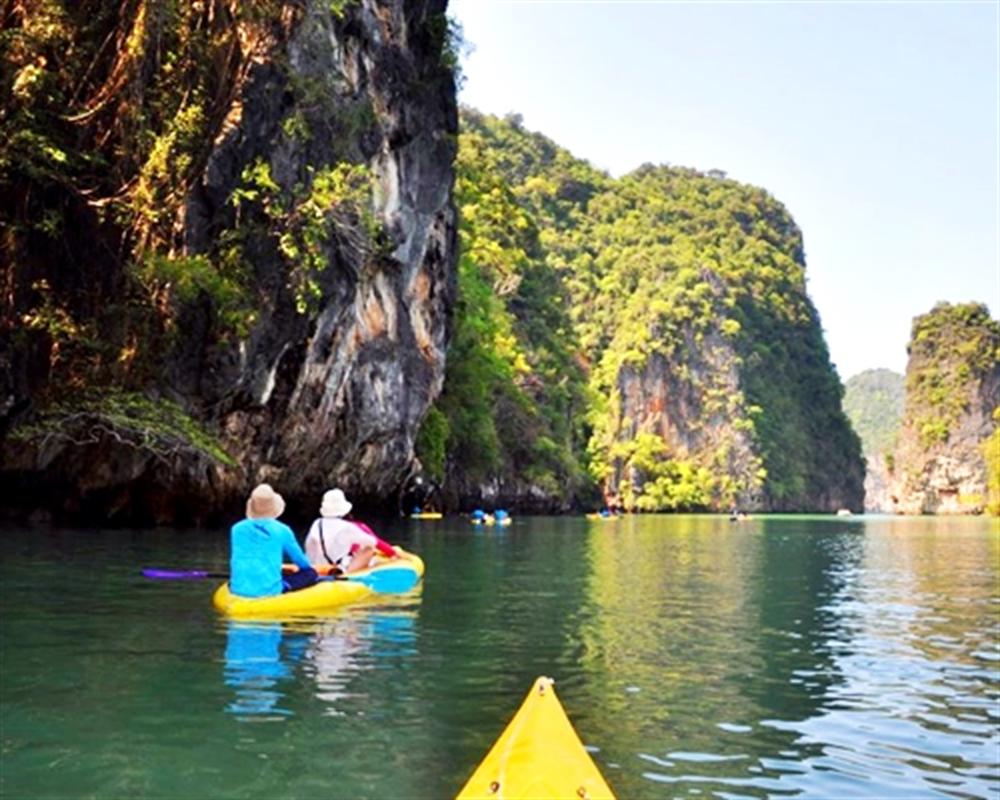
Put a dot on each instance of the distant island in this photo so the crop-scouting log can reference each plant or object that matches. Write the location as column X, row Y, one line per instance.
column 874, row 401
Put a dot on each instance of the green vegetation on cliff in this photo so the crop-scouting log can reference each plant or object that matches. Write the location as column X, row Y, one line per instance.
column 666, row 309
column 952, row 349
column 513, row 393
column 223, row 222
column 873, row 401
column 110, row 115
column 946, row 460
column 158, row 427
column 708, row 274
column 126, row 276
column 172, row 185
column 991, row 453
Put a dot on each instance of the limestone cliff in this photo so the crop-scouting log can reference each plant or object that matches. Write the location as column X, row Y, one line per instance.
column 952, row 392
column 717, row 383
column 652, row 333
column 259, row 287
column 683, row 410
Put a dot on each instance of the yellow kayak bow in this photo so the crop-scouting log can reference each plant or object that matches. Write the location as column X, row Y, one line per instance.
column 538, row 756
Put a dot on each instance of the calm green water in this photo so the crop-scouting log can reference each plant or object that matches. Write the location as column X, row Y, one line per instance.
column 810, row 657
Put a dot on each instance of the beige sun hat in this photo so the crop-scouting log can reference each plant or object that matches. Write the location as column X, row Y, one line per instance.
column 265, row 503
column 334, row 504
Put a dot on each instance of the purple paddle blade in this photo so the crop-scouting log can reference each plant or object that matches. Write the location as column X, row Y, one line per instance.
column 180, row 575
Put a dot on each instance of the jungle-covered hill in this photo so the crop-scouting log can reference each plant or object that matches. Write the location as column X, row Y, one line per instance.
column 648, row 337
column 873, row 401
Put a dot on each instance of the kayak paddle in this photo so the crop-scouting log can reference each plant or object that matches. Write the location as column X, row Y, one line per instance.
column 181, row 575
column 392, row 580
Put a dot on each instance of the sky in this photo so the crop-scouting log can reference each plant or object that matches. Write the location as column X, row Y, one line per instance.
column 876, row 124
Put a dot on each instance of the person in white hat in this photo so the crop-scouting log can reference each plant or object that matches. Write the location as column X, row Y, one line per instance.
column 258, row 545
column 349, row 546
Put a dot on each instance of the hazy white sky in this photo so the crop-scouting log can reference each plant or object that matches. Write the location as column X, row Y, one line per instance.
column 875, row 123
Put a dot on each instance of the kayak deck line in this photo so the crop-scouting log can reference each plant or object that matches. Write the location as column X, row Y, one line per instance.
column 539, row 756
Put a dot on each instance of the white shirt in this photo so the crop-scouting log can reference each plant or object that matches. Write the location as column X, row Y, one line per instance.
column 330, row 540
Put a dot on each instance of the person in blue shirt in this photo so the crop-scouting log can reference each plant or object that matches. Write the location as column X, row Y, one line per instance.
column 258, row 545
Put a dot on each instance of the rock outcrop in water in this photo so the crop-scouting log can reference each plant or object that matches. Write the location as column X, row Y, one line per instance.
column 229, row 253
column 940, row 464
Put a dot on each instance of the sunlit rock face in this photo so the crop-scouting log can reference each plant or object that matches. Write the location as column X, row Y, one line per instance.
column 877, row 496
column 697, row 405
column 691, row 406
column 337, row 399
column 329, row 378
column 952, row 395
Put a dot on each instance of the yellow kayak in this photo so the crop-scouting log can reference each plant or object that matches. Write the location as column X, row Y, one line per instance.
column 427, row 515
column 393, row 576
column 538, row 756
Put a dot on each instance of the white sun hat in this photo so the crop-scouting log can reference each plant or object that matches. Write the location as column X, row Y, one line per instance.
column 334, row 504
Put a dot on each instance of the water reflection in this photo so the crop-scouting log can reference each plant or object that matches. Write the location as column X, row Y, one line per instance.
column 698, row 658
column 914, row 709
column 344, row 648
column 256, row 669
column 265, row 662
column 836, row 659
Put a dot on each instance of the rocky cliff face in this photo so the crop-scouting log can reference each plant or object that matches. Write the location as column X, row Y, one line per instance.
column 299, row 290
column 737, row 426
column 952, row 391
column 689, row 410
column 878, row 497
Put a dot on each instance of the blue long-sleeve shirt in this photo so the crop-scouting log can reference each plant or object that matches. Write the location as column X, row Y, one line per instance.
column 257, row 548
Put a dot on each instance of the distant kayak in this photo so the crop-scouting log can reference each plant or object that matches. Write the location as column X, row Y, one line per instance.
column 538, row 756
column 394, row 576
column 427, row 515
column 602, row 516
column 489, row 520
